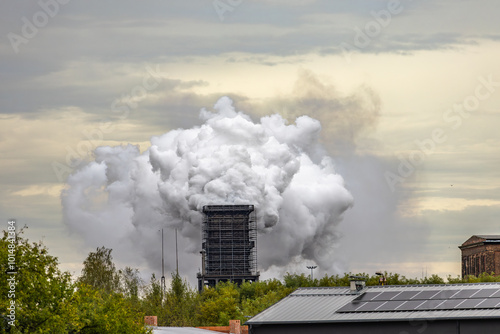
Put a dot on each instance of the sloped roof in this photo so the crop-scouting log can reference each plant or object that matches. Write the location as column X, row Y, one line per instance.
column 489, row 237
column 182, row 330
column 480, row 239
column 338, row 304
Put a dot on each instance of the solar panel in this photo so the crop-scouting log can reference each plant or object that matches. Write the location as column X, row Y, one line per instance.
column 405, row 295
column 468, row 303
column 367, row 296
column 425, row 294
column 445, row 294
column 489, row 303
column 496, row 294
column 390, row 305
column 370, row 306
column 466, row 293
column 424, row 300
column 485, row 293
column 428, row 305
column 351, row 307
column 449, row 304
column 388, row 295
column 410, row 305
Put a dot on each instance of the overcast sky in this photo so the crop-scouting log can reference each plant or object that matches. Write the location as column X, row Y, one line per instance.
column 407, row 93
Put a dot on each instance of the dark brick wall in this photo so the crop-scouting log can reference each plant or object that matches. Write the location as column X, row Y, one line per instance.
column 497, row 262
column 480, row 258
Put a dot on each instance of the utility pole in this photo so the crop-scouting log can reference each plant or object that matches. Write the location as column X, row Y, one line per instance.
column 162, row 266
column 176, row 254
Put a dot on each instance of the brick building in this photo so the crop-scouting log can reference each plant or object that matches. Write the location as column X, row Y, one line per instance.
column 481, row 253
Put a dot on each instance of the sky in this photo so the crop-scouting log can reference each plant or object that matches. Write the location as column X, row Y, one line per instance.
column 407, row 94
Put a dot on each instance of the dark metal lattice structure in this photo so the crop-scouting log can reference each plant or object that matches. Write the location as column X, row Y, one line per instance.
column 229, row 245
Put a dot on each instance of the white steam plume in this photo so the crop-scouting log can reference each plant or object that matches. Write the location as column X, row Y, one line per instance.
column 124, row 197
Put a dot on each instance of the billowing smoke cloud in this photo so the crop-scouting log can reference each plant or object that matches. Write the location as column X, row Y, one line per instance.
column 124, row 197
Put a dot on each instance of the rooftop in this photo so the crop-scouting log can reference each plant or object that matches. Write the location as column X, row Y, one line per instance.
column 489, row 237
column 476, row 240
column 385, row 303
column 181, row 330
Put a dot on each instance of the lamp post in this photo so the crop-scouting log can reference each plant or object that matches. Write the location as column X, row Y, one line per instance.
column 312, row 268
column 382, row 280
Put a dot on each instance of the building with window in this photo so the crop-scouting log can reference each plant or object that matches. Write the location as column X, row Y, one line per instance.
column 481, row 254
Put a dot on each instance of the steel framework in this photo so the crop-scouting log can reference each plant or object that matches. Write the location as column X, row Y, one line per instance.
column 229, row 245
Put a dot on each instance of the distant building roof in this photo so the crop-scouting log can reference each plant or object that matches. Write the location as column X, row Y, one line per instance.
column 489, row 237
column 181, row 330
column 477, row 240
column 384, row 303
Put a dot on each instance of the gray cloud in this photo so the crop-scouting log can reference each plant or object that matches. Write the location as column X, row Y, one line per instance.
column 103, row 33
column 65, row 79
column 345, row 118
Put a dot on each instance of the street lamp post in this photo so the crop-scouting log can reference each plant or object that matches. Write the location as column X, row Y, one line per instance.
column 382, row 280
column 312, row 268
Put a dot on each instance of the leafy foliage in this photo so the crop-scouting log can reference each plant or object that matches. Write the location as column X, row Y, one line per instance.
column 107, row 300
column 152, row 303
column 484, row 277
column 99, row 271
column 98, row 312
column 220, row 304
column 42, row 292
column 130, row 283
column 181, row 303
column 256, row 297
column 46, row 300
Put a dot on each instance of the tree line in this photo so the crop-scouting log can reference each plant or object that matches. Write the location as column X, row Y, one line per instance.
column 104, row 299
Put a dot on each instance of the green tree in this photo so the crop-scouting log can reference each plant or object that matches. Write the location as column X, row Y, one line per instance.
column 152, row 303
column 297, row 281
column 100, row 272
column 107, row 300
column 255, row 297
column 433, row 279
column 46, row 301
column 219, row 305
column 334, row 280
column 41, row 292
column 484, row 277
column 105, row 313
column 130, row 283
column 180, row 303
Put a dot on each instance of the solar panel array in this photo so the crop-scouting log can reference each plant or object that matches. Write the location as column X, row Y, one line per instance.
column 424, row 300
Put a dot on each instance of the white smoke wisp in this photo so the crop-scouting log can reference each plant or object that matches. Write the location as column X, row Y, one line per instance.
column 124, row 197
